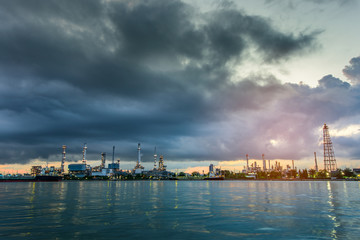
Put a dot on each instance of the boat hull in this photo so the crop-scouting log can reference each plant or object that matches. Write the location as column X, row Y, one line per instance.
column 34, row 179
column 214, row 178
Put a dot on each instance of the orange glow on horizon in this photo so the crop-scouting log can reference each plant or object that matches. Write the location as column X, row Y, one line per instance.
column 235, row 165
column 199, row 169
column 13, row 169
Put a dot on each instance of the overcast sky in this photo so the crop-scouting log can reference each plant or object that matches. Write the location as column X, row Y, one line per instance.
column 201, row 80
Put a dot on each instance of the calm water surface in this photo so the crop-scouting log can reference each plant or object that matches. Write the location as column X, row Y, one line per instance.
column 180, row 210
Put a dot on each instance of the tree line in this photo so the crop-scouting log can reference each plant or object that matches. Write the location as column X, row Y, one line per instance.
column 290, row 174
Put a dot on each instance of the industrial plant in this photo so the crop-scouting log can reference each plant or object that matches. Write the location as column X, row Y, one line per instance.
column 113, row 171
column 278, row 171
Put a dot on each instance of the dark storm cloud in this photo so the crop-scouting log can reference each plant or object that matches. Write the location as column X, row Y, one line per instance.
column 329, row 81
column 339, row 2
column 231, row 31
column 156, row 29
column 119, row 72
column 348, row 146
column 352, row 71
column 291, row 3
column 117, row 47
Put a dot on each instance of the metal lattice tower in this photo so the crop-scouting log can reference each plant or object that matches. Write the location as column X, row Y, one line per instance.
column 139, row 154
column 155, row 158
column 329, row 156
column 84, row 154
column 63, row 159
column 103, row 159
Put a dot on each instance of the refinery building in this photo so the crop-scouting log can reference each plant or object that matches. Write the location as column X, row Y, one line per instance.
column 81, row 170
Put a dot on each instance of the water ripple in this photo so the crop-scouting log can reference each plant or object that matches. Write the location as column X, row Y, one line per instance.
column 180, row 210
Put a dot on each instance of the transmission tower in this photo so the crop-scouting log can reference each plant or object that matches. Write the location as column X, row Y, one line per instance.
column 329, row 156
column 63, row 159
column 155, row 158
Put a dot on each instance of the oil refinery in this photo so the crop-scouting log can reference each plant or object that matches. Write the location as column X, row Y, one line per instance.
column 268, row 170
column 114, row 171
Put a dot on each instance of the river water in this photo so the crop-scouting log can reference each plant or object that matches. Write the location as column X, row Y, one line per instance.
column 180, row 210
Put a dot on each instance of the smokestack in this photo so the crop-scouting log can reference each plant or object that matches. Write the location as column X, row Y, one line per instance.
column 139, row 154
column 264, row 162
column 316, row 166
column 113, row 157
column 247, row 163
column 84, row 154
column 63, row 159
column 293, row 164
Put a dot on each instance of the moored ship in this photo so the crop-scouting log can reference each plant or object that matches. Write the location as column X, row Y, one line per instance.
column 38, row 178
column 215, row 178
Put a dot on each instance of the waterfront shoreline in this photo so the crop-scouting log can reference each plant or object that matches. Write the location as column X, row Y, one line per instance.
column 194, row 180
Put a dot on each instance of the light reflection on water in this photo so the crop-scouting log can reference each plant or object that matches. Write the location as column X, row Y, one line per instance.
column 180, row 210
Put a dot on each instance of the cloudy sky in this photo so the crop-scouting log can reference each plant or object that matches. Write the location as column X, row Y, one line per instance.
column 201, row 80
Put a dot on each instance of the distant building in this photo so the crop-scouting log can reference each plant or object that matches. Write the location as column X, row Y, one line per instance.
column 114, row 165
column 78, row 170
column 211, row 168
column 214, row 172
column 36, row 170
column 77, row 167
column 104, row 172
column 52, row 170
column 162, row 167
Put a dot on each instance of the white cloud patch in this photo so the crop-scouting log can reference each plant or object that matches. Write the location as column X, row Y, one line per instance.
column 352, row 130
